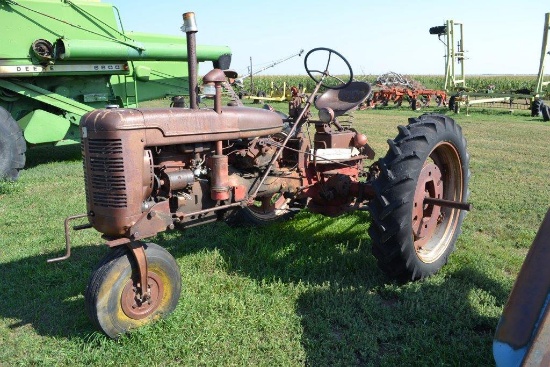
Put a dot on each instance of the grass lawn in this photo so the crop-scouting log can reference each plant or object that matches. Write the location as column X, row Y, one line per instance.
column 302, row 292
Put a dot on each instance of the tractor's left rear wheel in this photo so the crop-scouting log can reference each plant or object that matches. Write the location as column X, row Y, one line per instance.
column 111, row 299
column 411, row 237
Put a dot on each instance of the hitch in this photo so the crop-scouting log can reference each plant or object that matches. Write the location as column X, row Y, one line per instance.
column 68, row 238
column 142, row 291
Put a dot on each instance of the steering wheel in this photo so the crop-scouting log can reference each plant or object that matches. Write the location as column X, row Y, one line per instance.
column 323, row 76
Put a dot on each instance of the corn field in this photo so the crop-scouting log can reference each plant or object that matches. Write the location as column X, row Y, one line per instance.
column 500, row 83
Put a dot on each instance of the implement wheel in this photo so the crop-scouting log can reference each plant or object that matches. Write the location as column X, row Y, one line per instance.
column 12, row 147
column 545, row 111
column 536, row 107
column 411, row 239
column 111, row 299
column 453, row 105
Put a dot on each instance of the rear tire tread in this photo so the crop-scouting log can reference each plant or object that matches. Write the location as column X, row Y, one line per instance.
column 391, row 232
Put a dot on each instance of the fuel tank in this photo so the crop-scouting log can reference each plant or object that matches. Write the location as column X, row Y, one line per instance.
column 118, row 146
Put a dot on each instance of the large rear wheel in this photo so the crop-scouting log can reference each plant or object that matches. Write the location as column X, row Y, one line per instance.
column 111, row 299
column 12, row 147
column 412, row 239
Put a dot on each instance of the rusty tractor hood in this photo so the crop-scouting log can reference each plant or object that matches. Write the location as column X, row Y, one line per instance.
column 184, row 125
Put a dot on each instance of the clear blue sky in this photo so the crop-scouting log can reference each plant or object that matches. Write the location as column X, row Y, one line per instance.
column 501, row 37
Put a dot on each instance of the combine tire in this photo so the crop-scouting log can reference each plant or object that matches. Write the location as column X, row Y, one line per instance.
column 410, row 239
column 12, row 147
column 110, row 296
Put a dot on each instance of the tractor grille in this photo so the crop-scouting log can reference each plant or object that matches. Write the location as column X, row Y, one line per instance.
column 107, row 182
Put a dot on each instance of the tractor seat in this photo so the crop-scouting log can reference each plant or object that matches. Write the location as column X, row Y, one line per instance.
column 344, row 100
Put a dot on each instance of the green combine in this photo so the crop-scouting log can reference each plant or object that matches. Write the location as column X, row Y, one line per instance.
column 60, row 59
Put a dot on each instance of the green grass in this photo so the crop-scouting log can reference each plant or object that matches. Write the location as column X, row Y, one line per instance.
column 303, row 292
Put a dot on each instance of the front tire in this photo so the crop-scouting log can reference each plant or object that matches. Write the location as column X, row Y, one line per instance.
column 428, row 158
column 12, row 147
column 110, row 295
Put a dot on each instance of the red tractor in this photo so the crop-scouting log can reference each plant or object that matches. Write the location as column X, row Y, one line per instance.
column 152, row 170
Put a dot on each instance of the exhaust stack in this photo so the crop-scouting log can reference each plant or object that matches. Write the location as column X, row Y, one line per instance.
column 190, row 28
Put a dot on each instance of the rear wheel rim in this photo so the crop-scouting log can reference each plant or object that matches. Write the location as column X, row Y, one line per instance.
column 434, row 227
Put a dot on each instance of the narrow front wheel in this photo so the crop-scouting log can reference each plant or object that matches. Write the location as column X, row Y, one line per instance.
column 112, row 300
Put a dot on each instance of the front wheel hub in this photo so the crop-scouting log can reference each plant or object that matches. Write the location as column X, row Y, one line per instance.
column 425, row 217
column 138, row 305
